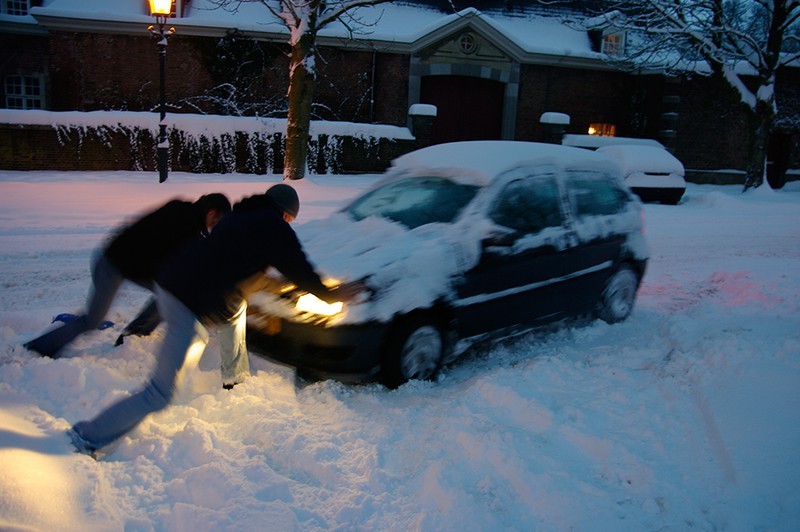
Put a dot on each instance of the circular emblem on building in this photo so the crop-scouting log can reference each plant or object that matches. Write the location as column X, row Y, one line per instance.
column 468, row 43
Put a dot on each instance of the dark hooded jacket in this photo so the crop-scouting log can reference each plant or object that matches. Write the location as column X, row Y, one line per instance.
column 139, row 249
column 206, row 275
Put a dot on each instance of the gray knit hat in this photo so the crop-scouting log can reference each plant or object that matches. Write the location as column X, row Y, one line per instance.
column 285, row 198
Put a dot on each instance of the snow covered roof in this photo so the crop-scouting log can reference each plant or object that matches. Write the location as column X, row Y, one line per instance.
column 390, row 26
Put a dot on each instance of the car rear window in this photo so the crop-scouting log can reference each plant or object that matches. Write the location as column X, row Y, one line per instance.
column 594, row 194
column 415, row 201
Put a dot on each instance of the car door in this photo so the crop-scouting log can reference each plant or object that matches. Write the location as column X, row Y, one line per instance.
column 595, row 201
column 521, row 268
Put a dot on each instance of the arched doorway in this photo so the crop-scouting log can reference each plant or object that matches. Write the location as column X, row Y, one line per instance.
column 469, row 108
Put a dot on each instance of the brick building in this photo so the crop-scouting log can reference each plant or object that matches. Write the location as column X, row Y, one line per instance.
column 491, row 74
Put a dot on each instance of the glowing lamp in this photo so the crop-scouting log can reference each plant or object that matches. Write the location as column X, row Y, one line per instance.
column 160, row 8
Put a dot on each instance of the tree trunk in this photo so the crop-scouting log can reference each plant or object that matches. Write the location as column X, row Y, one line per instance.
column 762, row 126
column 302, row 79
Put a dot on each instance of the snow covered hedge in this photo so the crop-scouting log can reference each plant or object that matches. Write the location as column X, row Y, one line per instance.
column 199, row 143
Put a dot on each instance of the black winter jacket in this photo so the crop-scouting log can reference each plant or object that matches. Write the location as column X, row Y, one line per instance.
column 139, row 249
column 206, row 274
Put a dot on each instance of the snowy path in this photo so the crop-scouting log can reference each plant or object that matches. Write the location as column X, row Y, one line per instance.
column 686, row 416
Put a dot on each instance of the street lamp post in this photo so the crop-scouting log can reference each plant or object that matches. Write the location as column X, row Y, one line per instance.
column 161, row 9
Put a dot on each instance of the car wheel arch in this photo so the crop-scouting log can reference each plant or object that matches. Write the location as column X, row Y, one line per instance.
column 399, row 331
column 619, row 293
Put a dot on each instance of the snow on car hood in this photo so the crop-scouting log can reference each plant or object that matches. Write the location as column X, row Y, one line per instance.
column 413, row 268
column 408, row 268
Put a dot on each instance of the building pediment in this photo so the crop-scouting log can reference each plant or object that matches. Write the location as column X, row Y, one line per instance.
column 467, row 35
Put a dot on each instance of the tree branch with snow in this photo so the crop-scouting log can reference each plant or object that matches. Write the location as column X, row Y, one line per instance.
column 744, row 42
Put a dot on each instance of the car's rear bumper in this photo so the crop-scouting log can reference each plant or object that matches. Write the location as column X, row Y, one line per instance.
column 670, row 195
column 348, row 352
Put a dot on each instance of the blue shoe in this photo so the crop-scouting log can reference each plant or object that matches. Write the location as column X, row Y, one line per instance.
column 69, row 318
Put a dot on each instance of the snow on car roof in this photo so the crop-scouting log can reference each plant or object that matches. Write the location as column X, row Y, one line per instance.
column 490, row 157
column 597, row 141
column 649, row 159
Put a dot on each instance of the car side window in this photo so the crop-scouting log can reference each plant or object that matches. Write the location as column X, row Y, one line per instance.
column 593, row 194
column 529, row 205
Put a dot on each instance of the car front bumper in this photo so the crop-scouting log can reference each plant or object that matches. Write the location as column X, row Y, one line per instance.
column 345, row 353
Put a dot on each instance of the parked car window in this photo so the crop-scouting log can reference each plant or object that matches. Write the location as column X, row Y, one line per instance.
column 529, row 205
column 415, row 201
column 593, row 194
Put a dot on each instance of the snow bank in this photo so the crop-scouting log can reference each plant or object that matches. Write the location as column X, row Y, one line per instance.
column 687, row 415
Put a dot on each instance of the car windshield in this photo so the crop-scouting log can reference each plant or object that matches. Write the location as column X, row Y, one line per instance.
column 415, row 201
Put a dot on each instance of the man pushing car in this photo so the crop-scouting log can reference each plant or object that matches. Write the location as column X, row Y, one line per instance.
column 202, row 285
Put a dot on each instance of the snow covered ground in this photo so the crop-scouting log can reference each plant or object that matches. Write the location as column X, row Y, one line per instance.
column 686, row 416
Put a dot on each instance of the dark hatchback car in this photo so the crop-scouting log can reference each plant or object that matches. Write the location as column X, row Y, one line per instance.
column 459, row 243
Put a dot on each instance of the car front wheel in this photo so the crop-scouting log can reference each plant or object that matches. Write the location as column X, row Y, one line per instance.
column 619, row 294
column 414, row 351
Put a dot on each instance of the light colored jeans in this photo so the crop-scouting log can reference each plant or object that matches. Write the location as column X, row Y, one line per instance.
column 235, row 367
column 185, row 338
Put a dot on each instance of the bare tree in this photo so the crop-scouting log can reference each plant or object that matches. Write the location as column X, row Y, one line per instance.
column 304, row 19
column 744, row 42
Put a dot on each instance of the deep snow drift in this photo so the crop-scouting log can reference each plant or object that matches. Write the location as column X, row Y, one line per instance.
column 686, row 416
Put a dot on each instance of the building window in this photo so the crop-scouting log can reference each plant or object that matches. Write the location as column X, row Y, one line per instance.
column 24, row 92
column 613, row 44
column 15, row 7
column 602, row 129
column 468, row 43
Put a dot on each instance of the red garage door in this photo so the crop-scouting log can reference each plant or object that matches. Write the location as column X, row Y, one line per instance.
column 468, row 108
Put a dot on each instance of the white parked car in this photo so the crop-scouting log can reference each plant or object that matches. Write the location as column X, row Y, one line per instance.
column 651, row 172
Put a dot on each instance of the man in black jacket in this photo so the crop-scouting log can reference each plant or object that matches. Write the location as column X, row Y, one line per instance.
column 204, row 285
column 136, row 253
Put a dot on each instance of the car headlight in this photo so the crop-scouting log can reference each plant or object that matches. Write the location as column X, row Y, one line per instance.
column 314, row 305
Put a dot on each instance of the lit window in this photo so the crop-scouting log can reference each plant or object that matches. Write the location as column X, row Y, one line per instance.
column 613, row 43
column 15, row 7
column 24, row 92
column 602, row 129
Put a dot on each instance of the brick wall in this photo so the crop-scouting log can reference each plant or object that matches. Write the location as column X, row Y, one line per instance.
column 105, row 72
column 102, row 71
column 586, row 96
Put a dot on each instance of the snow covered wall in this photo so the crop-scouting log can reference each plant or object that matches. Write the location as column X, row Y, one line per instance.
column 124, row 140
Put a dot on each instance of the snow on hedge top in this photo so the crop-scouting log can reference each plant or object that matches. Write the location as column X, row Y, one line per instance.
column 194, row 124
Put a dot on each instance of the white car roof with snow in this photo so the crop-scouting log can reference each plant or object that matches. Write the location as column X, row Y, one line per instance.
column 648, row 159
column 488, row 158
column 597, row 141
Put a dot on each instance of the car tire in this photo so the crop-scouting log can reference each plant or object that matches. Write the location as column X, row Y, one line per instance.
column 413, row 351
column 619, row 294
